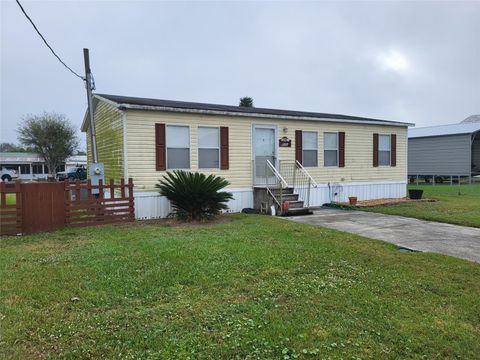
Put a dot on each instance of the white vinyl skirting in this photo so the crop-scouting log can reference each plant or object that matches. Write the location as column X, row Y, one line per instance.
column 150, row 205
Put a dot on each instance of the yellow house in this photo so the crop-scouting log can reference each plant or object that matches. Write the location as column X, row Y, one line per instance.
column 315, row 158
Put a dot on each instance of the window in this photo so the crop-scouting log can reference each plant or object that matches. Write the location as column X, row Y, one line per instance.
column 310, row 148
column 37, row 168
column 208, row 148
column 24, row 169
column 60, row 168
column 13, row 167
column 330, row 149
column 384, row 149
column 178, row 147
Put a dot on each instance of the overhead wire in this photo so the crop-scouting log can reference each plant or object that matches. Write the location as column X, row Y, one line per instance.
column 46, row 43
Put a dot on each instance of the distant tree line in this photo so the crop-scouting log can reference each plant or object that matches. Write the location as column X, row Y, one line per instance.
column 11, row 147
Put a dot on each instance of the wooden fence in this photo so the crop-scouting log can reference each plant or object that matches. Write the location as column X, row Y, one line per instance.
column 32, row 207
column 94, row 208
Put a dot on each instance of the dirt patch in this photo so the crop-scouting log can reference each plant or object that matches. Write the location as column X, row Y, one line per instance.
column 386, row 202
column 172, row 222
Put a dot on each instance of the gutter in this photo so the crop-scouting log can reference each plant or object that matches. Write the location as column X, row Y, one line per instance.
column 256, row 115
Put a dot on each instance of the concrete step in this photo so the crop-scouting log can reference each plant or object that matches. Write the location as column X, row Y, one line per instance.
column 295, row 204
column 285, row 191
column 288, row 197
column 298, row 212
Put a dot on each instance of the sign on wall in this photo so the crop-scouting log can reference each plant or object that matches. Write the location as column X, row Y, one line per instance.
column 285, row 142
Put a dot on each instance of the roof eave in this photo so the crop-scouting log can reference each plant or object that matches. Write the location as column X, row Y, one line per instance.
column 443, row 135
column 258, row 115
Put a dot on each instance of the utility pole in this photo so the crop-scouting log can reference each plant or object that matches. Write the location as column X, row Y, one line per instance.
column 96, row 170
column 88, row 84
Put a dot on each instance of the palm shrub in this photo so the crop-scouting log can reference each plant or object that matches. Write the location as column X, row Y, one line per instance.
column 193, row 195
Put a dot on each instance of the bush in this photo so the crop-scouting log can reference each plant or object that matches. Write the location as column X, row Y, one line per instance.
column 193, row 195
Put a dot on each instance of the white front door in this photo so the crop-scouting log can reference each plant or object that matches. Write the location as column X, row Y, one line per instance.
column 264, row 148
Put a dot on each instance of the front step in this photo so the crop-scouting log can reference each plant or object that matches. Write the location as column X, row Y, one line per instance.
column 289, row 197
column 298, row 212
column 285, row 191
column 297, row 204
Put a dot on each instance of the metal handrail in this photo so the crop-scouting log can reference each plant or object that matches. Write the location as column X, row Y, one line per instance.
column 276, row 173
column 313, row 182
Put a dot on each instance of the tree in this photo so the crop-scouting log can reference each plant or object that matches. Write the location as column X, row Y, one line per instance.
column 246, row 101
column 51, row 135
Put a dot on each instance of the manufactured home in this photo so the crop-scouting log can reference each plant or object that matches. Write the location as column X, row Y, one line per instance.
column 445, row 152
column 315, row 157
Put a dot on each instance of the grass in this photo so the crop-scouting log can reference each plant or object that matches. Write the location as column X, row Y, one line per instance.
column 256, row 287
column 456, row 205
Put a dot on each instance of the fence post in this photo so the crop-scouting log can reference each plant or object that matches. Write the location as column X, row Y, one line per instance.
column 122, row 188
column 100, row 189
column 89, row 189
column 112, row 189
column 77, row 190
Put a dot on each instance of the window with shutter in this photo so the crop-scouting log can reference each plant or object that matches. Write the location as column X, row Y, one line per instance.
column 208, row 148
column 330, row 149
column 178, row 147
column 384, row 150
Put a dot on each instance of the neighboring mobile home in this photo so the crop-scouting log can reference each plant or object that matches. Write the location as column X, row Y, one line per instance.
column 32, row 166
column 337, row 156
column 445, row 152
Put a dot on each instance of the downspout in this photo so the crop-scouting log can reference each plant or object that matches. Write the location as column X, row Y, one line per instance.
column 125, row 147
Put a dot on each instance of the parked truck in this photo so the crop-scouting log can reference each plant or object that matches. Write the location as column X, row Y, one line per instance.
column 8, row 174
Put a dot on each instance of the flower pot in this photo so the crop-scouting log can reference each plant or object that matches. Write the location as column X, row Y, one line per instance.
column 415, row 194
column 352, row 200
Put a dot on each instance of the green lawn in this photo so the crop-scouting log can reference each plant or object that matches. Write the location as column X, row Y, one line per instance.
column 254, row 287
column 456, row 205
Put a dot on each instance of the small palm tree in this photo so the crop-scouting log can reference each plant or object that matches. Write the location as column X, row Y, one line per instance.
column 246, row 101
column 193, row 195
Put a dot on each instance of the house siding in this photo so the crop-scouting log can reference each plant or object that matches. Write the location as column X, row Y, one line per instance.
column 358, row 148
column 440, row 155
column 109, row 133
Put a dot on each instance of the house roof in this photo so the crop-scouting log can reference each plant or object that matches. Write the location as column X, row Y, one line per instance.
column 128, row 102
column 444, row 130
column 29, row 157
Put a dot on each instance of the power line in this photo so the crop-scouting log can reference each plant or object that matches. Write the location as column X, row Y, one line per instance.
column 46, row 43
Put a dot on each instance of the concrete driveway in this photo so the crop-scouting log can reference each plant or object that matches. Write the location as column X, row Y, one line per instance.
column 454, row 240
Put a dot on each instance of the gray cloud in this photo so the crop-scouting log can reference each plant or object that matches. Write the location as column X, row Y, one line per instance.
column 408, row 61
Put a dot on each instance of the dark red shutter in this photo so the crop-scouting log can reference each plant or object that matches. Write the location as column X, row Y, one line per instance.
column 375, row 150
column 341, row 149
column 393, row 150
column 224, row 148
column 160, row 151
column 298, row 146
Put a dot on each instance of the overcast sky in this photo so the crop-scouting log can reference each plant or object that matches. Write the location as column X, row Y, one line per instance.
column 406, row 61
